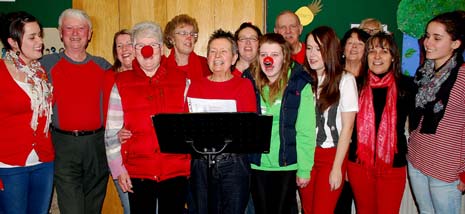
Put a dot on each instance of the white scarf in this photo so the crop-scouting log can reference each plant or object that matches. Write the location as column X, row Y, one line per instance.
column 41, row 96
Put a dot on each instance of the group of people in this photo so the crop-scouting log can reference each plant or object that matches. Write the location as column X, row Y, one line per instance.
column 340, row 113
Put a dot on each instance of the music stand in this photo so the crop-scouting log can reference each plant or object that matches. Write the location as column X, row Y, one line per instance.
column 211, row 134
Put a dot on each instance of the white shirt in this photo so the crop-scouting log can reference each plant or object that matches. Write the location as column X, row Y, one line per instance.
column 348, row 102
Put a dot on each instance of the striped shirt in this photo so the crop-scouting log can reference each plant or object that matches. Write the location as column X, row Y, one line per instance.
column 442, row 155
column 115, row 122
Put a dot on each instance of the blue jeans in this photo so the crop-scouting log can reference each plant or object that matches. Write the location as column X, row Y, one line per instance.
column 123, row 197
column 223, row 188
column 434, row 196
column 27, row 189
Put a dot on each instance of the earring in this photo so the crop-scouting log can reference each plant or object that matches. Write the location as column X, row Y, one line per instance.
column 343, row 56
column 18, row 53
column 392, row 60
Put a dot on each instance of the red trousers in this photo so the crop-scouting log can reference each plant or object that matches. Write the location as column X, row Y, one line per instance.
column 377, row 190
column 317, row 197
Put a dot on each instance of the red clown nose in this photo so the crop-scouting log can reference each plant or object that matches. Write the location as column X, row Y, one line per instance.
column 268, row 61
column 147, row 51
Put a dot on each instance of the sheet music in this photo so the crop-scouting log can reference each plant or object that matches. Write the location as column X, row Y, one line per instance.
column 211, row 105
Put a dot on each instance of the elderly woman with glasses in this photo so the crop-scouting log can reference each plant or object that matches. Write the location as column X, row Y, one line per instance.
column 142, row 170
column 371, row 25
column 180, row 36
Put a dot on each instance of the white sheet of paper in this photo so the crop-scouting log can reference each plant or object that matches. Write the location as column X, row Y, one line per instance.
column 211, row 105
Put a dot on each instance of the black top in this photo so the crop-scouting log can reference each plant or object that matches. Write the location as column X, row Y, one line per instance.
column 405, row 103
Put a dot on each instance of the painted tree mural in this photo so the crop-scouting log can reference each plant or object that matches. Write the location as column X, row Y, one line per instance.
column 412, row 17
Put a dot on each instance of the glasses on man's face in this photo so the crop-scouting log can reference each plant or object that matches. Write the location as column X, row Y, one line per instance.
column 154, row 45
column 247, row 39
column 185, row 34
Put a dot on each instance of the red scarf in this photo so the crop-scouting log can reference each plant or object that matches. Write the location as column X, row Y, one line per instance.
column 385, row 141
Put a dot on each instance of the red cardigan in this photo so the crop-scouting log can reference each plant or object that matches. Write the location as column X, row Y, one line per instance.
column 142, row 97
column 18, row 139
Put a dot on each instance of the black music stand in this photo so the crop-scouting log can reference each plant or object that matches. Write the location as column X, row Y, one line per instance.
column 211, row 134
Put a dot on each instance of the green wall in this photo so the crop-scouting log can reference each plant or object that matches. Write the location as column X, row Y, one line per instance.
column 46, row 11
column 339, row 14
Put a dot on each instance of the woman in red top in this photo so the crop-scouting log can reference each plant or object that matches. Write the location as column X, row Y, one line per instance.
column 26, row 151
column 135, row 157
column 227, row 190
column 180, row 36
column 123, row 55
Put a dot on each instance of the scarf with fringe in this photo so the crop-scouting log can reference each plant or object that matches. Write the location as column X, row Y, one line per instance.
column 384, row 140
column 41, row 89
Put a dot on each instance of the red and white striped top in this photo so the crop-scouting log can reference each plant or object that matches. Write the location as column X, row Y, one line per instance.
column 442, row 155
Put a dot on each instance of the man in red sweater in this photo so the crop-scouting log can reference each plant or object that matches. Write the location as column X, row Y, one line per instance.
column 81, row 170
column 288, row 25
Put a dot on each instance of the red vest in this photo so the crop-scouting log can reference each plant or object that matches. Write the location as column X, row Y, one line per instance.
column 142, row 97
column 17, row 139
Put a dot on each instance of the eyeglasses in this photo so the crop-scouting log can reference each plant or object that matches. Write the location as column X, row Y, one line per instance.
column 371, row 30
column 185, row 34
column 250, row 39
column 154, row 45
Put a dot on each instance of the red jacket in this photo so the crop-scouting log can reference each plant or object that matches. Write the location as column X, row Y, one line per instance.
column 17, row 139
column 142, row 97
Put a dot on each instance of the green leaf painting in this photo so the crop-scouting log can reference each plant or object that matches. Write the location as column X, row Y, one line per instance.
column 409, row 52
column 413, row 15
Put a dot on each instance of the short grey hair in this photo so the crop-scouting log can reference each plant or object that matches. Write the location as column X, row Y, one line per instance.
column 222, row 34
column 75, row 13
column 147, row 29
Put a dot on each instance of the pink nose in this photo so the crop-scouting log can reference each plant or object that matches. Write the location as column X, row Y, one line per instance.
column 147, row 51
column 268, row 61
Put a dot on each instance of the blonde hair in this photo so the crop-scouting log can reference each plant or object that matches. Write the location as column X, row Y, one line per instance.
column 374, row 21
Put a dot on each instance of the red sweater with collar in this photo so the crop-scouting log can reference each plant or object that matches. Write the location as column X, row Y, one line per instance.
column 196, row 68
column 18, row 139
column 77, row 90
column 237, row 88
column 142, row 97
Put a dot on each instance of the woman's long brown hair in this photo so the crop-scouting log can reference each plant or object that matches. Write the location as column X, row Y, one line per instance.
column 328, row 43
column 277, row 87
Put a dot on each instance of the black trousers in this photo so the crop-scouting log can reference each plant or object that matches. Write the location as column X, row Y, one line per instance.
column 81, row 172
column 274, row 192
column 171, row 195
